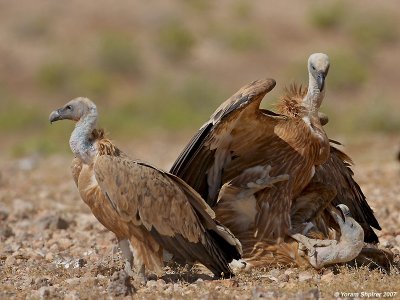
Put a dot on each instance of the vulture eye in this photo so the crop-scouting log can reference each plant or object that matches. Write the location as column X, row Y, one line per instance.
column 69, row 107
column 313, row 67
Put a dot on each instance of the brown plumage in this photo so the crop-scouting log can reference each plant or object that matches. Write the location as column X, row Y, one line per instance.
column 147, row 208
column 336, row 172
column 239, row 136
column 231, row 153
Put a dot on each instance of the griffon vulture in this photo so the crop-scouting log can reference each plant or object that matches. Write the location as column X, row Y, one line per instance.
column 147, row 209
column 241, row 140
column 240, row 136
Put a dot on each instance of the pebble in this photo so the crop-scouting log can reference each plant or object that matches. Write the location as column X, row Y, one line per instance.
column 6, row 232
column 290, row 272
column 53, row 223
column 328, row 277
column 22, row 208
column 283, row 277
column 4, row 213
column 305, row 276
column 120, row 285
column 64, row 243
column 73, row 295
column 10, row 261
column 274, row 272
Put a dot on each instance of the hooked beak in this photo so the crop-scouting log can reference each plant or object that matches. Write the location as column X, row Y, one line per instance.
column 344, row 213
column 55, row 116
column 321, row 81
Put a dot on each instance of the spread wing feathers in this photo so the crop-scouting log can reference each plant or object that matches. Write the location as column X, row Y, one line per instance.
column 307, row 210
column 234, row 123
column 337, row 172
column 173, row 213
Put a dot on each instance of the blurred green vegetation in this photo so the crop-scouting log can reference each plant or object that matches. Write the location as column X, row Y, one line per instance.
column 328, row 15
column 349, row 72
column 175, row 40
column 168, row 67
column 374, row 31
column 118, row 54
column 242, row 39
column 70, row 79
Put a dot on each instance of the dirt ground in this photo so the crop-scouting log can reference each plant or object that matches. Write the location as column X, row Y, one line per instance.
column 52, row 247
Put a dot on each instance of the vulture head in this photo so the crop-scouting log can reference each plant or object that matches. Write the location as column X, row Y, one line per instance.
column 318, row 67
column 351, row 231
column 75, row 110
column 84, row 113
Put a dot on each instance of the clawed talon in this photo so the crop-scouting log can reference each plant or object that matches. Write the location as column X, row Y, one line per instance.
column 263, row 181
column 238, row 265
column 310, row 245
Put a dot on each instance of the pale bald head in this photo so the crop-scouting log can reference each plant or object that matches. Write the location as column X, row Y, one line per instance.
column 350, row 230
column 74, row 110
column 318, row 67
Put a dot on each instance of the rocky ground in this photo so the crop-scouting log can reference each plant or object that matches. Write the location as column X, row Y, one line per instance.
column 52, row 247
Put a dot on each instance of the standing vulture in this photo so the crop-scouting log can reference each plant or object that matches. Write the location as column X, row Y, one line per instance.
column 335, row 171
column 147, row 209
column 241, row 144
column 240, row 136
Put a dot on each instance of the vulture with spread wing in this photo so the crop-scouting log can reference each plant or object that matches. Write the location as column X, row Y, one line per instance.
column 240, row 136
column 147, row 209
column 230, row 159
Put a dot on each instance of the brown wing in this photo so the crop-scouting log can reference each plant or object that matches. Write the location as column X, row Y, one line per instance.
column 237, row 122
column 336, row 172
column 173, row 213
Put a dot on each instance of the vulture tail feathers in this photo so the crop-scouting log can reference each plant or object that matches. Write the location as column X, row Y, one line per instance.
column 208, row 252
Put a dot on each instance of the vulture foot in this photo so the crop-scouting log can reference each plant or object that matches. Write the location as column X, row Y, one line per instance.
column 310, row 245
column 238, row 265
column 127, row 254
column 139, row 276
column 263, row 180
column 327, row 252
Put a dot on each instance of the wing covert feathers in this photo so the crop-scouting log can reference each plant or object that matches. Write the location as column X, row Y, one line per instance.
column 171, row 211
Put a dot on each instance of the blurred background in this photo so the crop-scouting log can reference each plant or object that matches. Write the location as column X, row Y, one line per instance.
column 158, row 70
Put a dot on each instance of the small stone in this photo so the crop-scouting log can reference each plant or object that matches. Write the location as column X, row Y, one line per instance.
column 22, row 209
column 80, row 263
column 73, row 295
column 4, row 213
column 10, row 261
column 328, row 277
column 64, row 243
column 151, row 284
column 41, row 282
column 120, row 285
column 49, row 256
column 73, row 281
column 6, row 232
column 305, row 276
column 397, row 239
column 274, row 272
column 46, row 292
column 290, row 272
column 53, row 223
column 283, row 277
column 272, row 278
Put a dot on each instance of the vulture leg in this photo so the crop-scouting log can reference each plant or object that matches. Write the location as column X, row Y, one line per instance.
column 237, row 206
column 128, row 256
column 346, row 249
column 258, row 178
column 311, row 244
